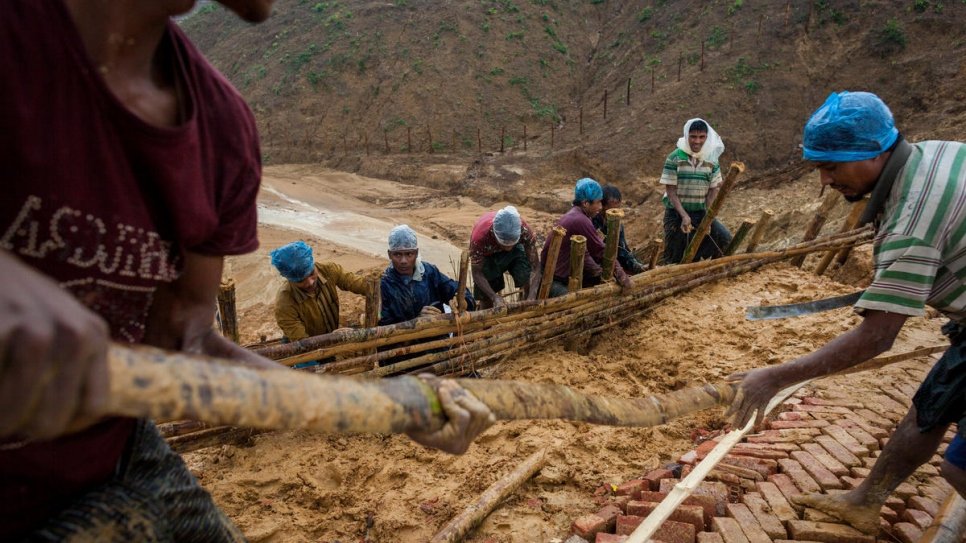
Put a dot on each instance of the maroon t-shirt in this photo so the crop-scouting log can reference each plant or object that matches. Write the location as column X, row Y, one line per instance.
column 105, row 204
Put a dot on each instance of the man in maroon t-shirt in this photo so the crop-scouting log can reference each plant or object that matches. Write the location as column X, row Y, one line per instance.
column 130, row 171
column 502, row 242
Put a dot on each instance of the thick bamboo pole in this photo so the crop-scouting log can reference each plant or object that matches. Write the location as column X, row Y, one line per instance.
column 702, row 230
column 578, row 247
column 461, row 525
column 464, row 271
column 950, row 524
column 818, row 221
column 227, row 309
column 759, row 232
column 739, row 237
column 658, row 251
column 180, row 427
column 556, row 238
column 613, row 220
column 853, row 219
column 373, row 299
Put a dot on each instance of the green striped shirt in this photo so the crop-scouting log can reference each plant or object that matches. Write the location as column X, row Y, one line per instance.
column 919, row 253
column 693, row 178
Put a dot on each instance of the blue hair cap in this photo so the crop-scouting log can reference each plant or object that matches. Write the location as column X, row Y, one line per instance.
column 588, row 190
column 849, row 126
column 294, row 261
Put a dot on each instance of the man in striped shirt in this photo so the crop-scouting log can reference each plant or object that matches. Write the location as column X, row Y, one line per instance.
column 691, row 178
column 918, row 201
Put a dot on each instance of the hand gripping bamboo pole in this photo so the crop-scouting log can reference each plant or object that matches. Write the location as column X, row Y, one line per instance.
column 759, row 232
column 850, row 222
column 739, row 237
column 613, row 221
column 227, row 309
column 702, row 230
column 815, row 226
column 464, row 271
column 556, row 238
column 578, row 247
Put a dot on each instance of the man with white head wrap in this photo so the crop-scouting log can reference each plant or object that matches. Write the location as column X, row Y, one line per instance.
column 411, row 287
column 503, row 242
column 692, row 179
column 917, row 200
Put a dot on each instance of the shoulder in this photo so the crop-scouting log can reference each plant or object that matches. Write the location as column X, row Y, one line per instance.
column 676, row 156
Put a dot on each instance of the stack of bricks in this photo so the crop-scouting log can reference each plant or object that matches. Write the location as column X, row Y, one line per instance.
column 820, row 442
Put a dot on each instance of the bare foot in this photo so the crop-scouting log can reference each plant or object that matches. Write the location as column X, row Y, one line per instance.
column 864, row 518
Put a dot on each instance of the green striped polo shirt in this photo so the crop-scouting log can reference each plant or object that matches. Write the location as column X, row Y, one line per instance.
column 919, row 253
column 692, row 176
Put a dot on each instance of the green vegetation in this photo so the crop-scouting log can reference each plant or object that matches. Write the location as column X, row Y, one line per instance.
column 742, row 75
column 560, row 47
column 517, row 35
column 596, row 1
column 920, row 6
column 827, row 13
column 733, row 8
column 717, row 38
column 496, row 71
column 519, row 80
column 645, row 14
column 317, row 79
column 544, row 111
column 550, row 31
column 889, row 39
column 485, row 26
column 303, row 57
column 418, row 66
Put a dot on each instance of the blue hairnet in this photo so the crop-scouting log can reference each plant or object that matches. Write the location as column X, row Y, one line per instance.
column 588, row 189
column 849, row 126
column 402, row 238
column 506, row 226
column 294, row 261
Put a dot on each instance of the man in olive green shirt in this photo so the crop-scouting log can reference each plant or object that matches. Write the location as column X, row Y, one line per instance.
column 308, row 304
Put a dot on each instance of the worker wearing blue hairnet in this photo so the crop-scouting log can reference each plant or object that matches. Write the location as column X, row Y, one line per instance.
column 502, row 242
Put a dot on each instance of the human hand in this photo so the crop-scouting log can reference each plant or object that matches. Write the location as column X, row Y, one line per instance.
column 53, row 366
column 755, row 390
column 498, row 301
column 686, row 224
column 625, row 282
column 429, row 311
column 466, row 418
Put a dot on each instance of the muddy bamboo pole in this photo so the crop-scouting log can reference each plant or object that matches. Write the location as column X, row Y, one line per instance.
column 658, row 251
column 227, row 309
column 464, row 271
column 850, row 222
column 461, row 525
column 949, row 524
column 556, row 238
column 739, row 237
column 180, row 427
column 759, row 232
column 815, row 226
column 613, row 220
column 578, row 246
column 200, row 440
column 373, row 302
column 702, row 230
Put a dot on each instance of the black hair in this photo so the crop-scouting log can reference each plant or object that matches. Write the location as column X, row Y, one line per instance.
column 698, row 126
column 611, row 194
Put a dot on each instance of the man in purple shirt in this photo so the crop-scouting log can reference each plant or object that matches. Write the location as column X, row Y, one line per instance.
column 577, row 221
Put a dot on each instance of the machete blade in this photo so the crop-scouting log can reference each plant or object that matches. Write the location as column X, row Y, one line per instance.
column 764, row 312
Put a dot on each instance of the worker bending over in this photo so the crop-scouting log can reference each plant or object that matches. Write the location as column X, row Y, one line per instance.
column 503, row 242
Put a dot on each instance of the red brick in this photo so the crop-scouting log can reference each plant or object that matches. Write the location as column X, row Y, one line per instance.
column 632, row 488
column 654, row 477
column 896, row 395
column 805, row 408
column 784, row 447
column 675, row 532
column 763, row 466
column 933, row 492
column 689, row 458
column 786, row 487
column 801, row 478
column 749, row 524
column 921, row 519
column 855, row 421
column 896, row 503
column 825, row 478
column 767, row 518
column 788, row 424
column 576, row 539
column 840, row 402
column 795, row 435
column 621, row 502
column 837, row 468
column 729, row 475
column 838, row 452
column 859, row 473
column 905, row 491
column 923, row 504
column 610, row 538
column 826, row 532
column 588, row 526
column 706, row 503
column 686, row 470
column 864, row 438
column 717, row 491
column 888, row 515
column 609, row 513
column 626, row 524
column 928, row 470
column 846, row 440
column 906, row 532
column 875, row 419
column 691, row 514
column 815, row 515
column 709, row 537
column 729, row 529
column 793, row 415
column 742, row 450
column 704, row 448
column 851, row 482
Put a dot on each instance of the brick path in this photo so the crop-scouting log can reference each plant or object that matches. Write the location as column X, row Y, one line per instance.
column 825, row 439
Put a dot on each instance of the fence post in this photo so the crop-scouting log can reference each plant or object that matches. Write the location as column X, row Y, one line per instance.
column 524, row 137
column 502, row 137
column 385, row 138
column 345, row 145
column 702, row 55
column 680, row 61
column 581, row 117
column 429, row 134
column 366, row 136
column 553, row 133
column 409, row 139
column 627, row 101
column 788, row 11
column 652, row 79
column 758, row 35
column 453, row 145
column 605, row 103
column 479, row 141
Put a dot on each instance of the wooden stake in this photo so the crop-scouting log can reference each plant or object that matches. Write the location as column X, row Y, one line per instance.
column 409, row 139
column 553, row 133
column 429, row 136
column 556, row 238
column 627, row 99
column 227, row 310
column 578, row 247
column 345, row 145
column 461, row 525
column 702, row 55
column 580, row 116
column 815, row 226
column 366, row 136
column 652, row 80
column 605, row 103
column 211, row 437
column 759, row 231
column 702, row 230
column 479, row 141
column 452, row 146
column 658, row 251
column 464, row 272
column 850, row 222
column 680, row 62
column 502, row 137
column 613, row 218
column 758, row 34
column 739, row 237
column 385, row 139
column 524, row 138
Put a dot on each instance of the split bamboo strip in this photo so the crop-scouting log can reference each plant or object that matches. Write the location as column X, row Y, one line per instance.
column 759, row 232
column 818, row 221
column 658, row 252
column 200, row 435
column 460, row 292
column 702, row 230
column 556, row 238
column 227, row 310
column 180, row 427
column 193, row 442
column 853, row 219
column 950, row 524
column 885, row 360
column 613, row 221
column 461, row 525
column 739, row 237
column 578, row 247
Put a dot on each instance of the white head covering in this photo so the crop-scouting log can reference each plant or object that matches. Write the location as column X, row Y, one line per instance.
column 506, row 226
column 402, row 238
column 713, row 146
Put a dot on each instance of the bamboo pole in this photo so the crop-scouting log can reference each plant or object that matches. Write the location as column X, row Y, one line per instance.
column 180, row 427
column 461, row 292
column 613, row 220
column 373, row 304
column 739, row 237
column 815, row 226
column 461, row 525
column 850, row 222
column 950, row 524
column 200, row 440
column 578, row 247
column 658, row 251
column 556, row 238
column 756, row 236
column 702, row 230
column 227, row 309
